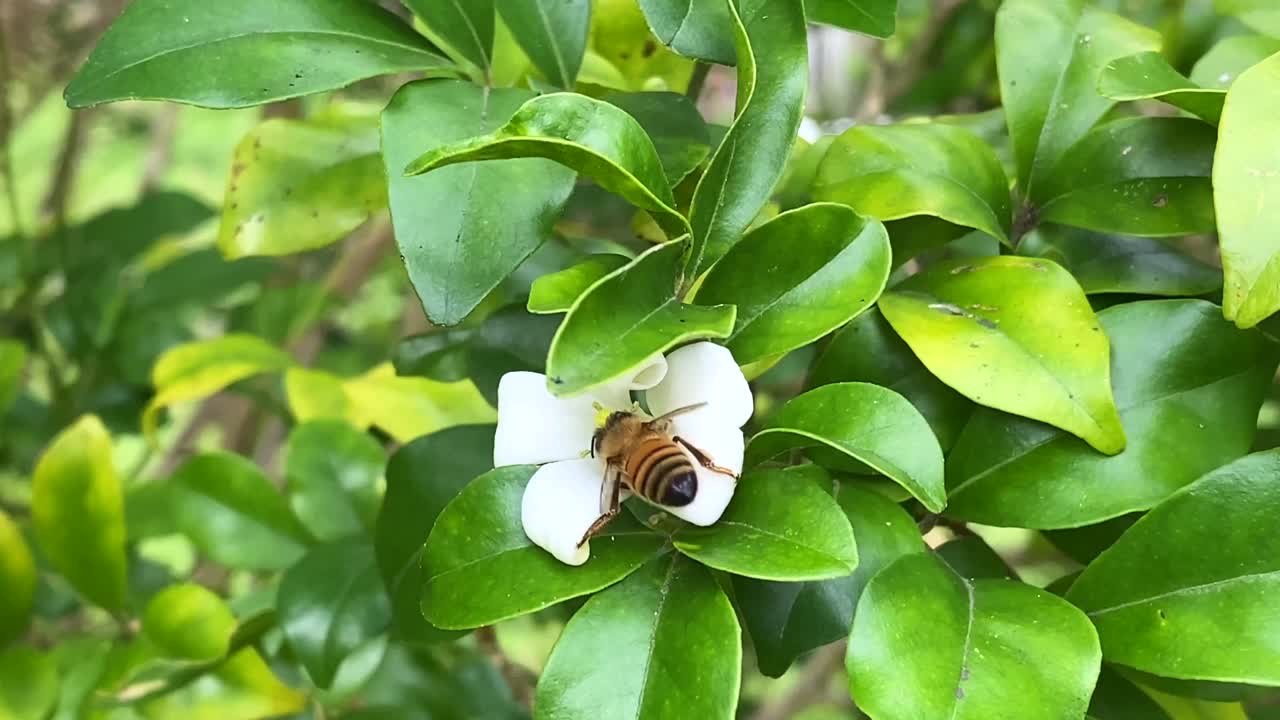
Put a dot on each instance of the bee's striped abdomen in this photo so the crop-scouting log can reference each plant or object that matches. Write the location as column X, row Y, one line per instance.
column 659, row 471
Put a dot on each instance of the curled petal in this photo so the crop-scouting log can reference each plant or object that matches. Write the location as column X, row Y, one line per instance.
column 560, row 503
column 649, row 374
column 535, row 427
column 704, row 372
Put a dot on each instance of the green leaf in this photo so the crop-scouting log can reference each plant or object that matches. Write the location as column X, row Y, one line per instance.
column 333, row 471
column 234, row 515
column 509, row 340
column 877, row 18
column 781, row 525
column 474, row 579
column 407, row 407
column 595, row 138
column 1104, row 263
column 673, row 647
column 556, row 293
column 280, row 201
column 242, row 52
column 1184, row 594
column 189, row 622
column 626, row 317
column 13, row 358
column 868, row 350
column 1014, row 334
column 787, row 620
column 672, row 121
column 1116, row 698
column 1261, row 15
column 1246, row 170
column 1231, row 56
column 28, row 684
column 422, row 478
column 825, row 265
column 969, row 556
column 1188, row 386
column 996, row 648
column 1050, row 54
column 1145, row 176
column 18, row 578
column 330, row 604
column 195, row 370
column 438, row 354
column 466, row 25
column 867, row 422
column 77, row 513
column 693, row 28
column 773, row 74
column 553, row 33
column 458, row 232
column 1148, row 75
column 1085, row 543
column 898, row 171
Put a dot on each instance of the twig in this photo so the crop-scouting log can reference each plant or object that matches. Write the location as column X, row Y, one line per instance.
column 519, row 679
column 810, row 687
column 55, row 203
column 160, row 150
column 697, row 81
column 885, row 87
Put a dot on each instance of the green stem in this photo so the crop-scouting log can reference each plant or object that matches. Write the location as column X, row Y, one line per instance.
column 697, row 80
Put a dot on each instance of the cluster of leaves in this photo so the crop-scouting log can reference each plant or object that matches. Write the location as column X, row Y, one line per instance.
column 1010, row 318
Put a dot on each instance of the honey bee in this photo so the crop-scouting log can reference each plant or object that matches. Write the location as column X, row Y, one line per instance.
column 642, row 454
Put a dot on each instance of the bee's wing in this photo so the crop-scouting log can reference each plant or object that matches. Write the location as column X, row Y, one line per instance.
column 609, row 489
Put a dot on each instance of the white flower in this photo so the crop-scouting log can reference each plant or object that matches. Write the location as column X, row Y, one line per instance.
column 563, row 497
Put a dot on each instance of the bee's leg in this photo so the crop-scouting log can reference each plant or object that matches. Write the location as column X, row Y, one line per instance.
column 610, row 505
column 703, row 458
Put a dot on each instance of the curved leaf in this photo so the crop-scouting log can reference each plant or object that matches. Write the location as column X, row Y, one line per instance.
column 897, row 171
column 475, row 579
column 458, row 236
column 18, row 578
column 556, row 293
column 1148, row 75
column 466, row 25
column 29, row 684
column 1014, row 334
column 1188, row 386
column 626, row 317
column 996, row 648
column 773, row 74
column 825, row 264
column 877, row 18
column 1104, row 263
column 333, row 471
column 77, row 513
column 1185, row 594
column 238, row 53
column 1246, row 180
column 1231, row 56
column 693, row 28
column 672, row 121
column 867, row 422
column 673, row 645
column 553, row 33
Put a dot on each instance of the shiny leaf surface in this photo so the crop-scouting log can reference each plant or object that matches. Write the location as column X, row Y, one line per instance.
column 1148, row 75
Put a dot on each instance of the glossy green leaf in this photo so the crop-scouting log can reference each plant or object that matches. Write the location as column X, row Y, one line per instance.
column 1231, row 56
column 672, row 121
column 18, row 578
column 77, row 513
column 438, row 354
column 773, row 74
column 868, row 350
column 996, row 648
column 330, row 604
column 1085, row 543
column 1146, row 176
column 280, row 201
column 422, row 477
column 243, row 52
column 626, row 317
column 797, row 277
column 1104, row 263
column 1246, row 178
column 1050, row 54
column 898, row 171
column 877, row 18
column 29, row 684
column 1148, row 76
column 1014, row 334
column 509, row 340
column 673, row 647
column 460, row 235
column 969, row 556
column 198, row 369
column 788, row 619
column 480, row 568
column 781, row 525
column 1189, row 591
column 333, row 471
column 1188, row 386
column 1262, row 15
column 407, row 407
column 866, row 422
column 466, row 25
column 556, row 293
column 553, row 33
column 13, row 358
column 694, row 28
column 233, row 514
column 595, row 138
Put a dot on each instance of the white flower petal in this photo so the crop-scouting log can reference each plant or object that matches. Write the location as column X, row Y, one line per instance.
column 704, row 372
column 715, row 490
column 649, row 374
column 535, row 427
column 560, row 503
column 723, row 444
